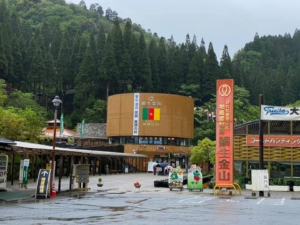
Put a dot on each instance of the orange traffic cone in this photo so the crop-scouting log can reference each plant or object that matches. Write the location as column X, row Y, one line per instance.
column 53, row 191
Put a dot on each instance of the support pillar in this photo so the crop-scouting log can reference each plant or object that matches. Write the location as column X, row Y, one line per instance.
column 12, row 169
column 60, row 172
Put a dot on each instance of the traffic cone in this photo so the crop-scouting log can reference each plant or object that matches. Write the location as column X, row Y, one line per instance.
column 53, row 191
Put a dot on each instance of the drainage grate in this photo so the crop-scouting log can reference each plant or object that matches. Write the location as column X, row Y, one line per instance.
column 225, row 197
column 250, row 197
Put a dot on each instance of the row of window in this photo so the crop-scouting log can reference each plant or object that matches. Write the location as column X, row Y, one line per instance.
column 151, row 140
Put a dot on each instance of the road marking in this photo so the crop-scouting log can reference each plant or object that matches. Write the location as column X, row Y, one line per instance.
column 195, row 199
column 270, row 201
column 260, row 201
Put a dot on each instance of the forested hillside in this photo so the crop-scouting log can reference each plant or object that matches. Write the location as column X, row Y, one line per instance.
column 84, row 54
column 270, row 65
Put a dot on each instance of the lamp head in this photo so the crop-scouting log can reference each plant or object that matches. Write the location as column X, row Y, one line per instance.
column 56, row 101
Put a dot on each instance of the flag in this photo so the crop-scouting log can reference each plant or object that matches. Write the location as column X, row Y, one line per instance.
column 61, row 130
column 82, row 128
column 151, row 114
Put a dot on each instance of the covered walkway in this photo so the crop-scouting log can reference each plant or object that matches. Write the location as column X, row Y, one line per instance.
column 40, row 155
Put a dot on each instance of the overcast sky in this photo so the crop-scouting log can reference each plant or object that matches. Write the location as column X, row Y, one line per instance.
column 230, row 22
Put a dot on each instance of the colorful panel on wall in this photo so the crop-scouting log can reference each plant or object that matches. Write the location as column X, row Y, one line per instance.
column 151, row 114
column 224, row 132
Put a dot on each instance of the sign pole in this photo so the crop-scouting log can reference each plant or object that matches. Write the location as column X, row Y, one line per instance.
column 261, row 140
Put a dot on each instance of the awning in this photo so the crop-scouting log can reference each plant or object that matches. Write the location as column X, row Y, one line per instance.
column 38, row 149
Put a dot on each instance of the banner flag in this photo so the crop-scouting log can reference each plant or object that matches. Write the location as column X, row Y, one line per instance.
column 61, row 123
column 82, row 128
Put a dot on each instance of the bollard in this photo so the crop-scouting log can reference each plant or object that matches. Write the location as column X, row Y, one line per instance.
column 53, row 191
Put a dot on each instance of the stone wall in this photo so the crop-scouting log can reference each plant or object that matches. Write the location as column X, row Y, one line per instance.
column 92, row 129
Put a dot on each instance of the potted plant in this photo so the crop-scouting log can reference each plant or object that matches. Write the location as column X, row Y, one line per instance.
column 99, row 182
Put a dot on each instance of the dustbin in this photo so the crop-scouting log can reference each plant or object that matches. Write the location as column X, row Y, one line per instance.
column 290, row 183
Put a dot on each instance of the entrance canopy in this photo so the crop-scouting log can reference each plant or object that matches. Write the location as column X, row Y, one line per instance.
column 19, row 147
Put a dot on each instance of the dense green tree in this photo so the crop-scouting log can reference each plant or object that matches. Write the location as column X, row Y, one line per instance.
column 37, row 71
column 126, row 73
column 18, row 63
column 185, row 63
column 128, row 34
column 96, row 114
column 118, row 42
column 152, row 53
column 204, row 152
column 109, row 73
column 210, row 75
column 64, row 69
column 3, row 60
column 176, row 71
column 134, row 52
column 100, row 45
column 162, row 65
column 225, row 64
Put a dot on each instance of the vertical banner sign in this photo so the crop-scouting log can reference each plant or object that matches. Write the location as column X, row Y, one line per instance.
column 224, row 132
column 61, row 130
column 25, row 171
column 82, row 128
column 136, row 112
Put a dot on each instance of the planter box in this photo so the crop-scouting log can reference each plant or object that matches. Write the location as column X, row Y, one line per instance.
column 248, row 186
column 296, row 188
column 279, row 188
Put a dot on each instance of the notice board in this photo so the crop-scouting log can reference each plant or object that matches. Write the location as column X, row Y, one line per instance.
column 260, row 180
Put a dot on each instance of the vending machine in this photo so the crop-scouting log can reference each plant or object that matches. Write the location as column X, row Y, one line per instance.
column 3, row 170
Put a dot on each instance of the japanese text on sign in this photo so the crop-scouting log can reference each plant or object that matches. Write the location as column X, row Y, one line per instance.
column 274, row 140
column 224, row 134
column 136, row 112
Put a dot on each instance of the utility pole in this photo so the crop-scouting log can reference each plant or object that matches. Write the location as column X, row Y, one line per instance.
column 261, row 140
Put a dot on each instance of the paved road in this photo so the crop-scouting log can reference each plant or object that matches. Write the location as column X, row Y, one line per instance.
column 150, row 208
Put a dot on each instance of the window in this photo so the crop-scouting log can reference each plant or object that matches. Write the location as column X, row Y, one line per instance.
column 157, row 140
column 150, row 140
column 171, row 141
column 143, row 140
column 165, row 141
column 136, row 140
column 130, row 140
column 182, row 141
column 123, row 140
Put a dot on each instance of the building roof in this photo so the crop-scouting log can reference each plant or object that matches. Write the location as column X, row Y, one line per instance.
column 275, row 126
column 5, row 141
column 38, row 149
column 49, row 131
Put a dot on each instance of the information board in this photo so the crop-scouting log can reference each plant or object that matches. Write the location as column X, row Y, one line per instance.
column 260, row 180
column 43, row 183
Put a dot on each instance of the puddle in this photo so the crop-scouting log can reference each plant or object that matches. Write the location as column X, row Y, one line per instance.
column 115, row 208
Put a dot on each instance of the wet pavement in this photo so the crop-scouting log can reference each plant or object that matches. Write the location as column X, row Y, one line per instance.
column 119, row 202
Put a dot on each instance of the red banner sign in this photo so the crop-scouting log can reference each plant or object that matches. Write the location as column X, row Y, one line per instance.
column 224, row 132
column 274, row 140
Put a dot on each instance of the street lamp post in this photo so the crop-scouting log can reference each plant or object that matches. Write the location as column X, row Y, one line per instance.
column 56, row 102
